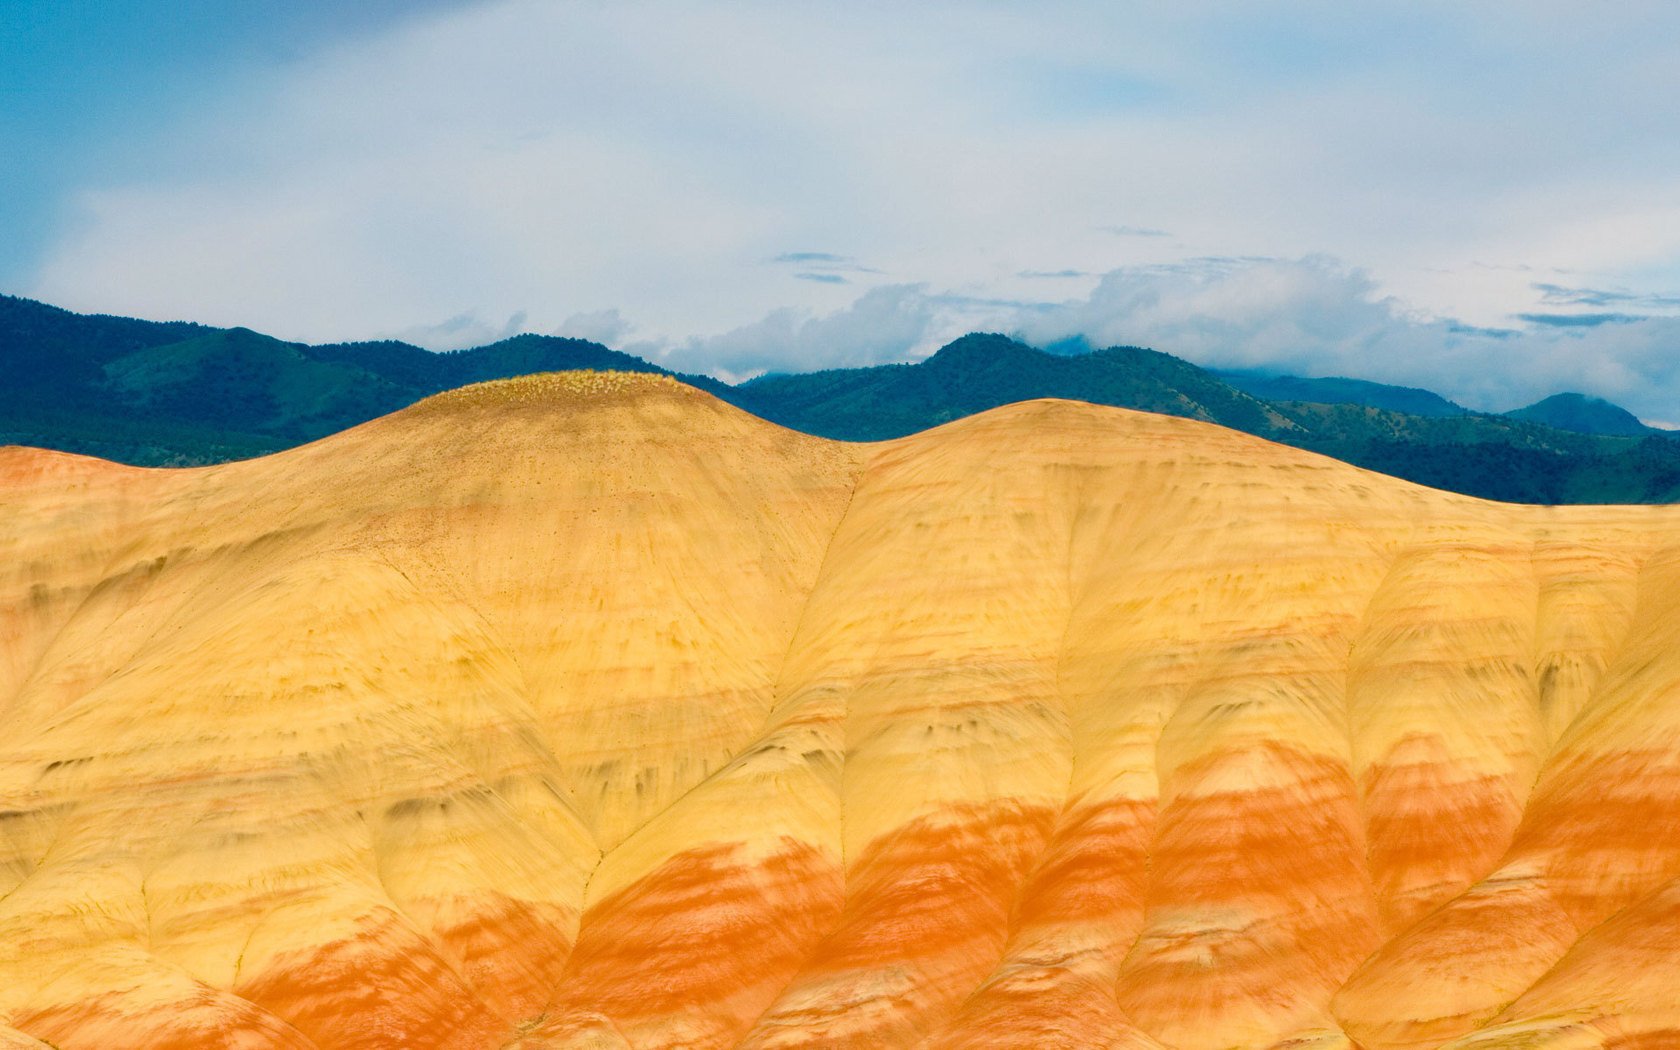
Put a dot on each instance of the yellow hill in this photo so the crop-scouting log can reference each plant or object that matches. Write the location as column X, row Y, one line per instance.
column 586, row 711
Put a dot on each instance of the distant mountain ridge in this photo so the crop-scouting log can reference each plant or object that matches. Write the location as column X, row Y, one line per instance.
column 981, row 371
column 1336, row 390
column 178, row 393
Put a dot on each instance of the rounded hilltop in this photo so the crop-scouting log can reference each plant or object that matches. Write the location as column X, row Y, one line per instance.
column 511, row 414
column 546, row 387
column 597, row 408
column 26, row 462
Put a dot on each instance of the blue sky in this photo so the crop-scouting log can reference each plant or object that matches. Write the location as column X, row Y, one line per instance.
column 92, row 89
column 1477, row 198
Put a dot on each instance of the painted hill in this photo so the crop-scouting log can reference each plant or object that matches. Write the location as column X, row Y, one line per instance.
column 1583, row 414
column 588, row 711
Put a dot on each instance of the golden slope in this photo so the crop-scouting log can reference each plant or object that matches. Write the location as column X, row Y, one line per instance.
column 586, row 711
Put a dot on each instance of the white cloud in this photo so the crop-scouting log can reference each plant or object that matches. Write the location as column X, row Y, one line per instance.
column 1134, row 231
column 883, row 325
column 607, row 327
column 462, row 330
column 1315, row 317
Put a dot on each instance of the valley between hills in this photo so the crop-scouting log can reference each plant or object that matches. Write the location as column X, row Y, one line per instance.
column 587, row 710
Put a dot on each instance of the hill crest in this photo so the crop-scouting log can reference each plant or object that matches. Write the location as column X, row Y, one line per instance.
column 177, row 395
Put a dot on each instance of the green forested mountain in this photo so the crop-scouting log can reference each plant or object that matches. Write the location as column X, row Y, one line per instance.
column 177, row 393
column 1584, row 415
column 978, row 372
column 1337, row 390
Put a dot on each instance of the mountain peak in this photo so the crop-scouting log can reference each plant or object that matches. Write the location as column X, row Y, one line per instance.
column 1583, row 414
column 981, row 347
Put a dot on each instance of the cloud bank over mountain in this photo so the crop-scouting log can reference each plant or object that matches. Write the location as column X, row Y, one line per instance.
column 1311, row 316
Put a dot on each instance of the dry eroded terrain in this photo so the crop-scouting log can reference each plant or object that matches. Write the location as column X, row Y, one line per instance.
column 586, row 711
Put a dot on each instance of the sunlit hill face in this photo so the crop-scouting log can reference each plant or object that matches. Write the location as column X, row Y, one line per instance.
column 584, row 710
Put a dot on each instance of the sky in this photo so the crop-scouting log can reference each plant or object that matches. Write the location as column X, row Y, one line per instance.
column 1480, row 199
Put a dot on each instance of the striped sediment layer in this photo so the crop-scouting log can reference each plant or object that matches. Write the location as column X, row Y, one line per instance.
column 586, row 711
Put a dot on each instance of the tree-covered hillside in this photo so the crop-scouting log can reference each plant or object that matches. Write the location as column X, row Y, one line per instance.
column 178, row 394
column 1583, row 414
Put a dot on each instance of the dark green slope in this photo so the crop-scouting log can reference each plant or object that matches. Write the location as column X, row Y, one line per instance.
column 52, row 358
column 1337, row 390
column 417, row 369
column 1493, row 456
column 1584, row 415
column 179, row 394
